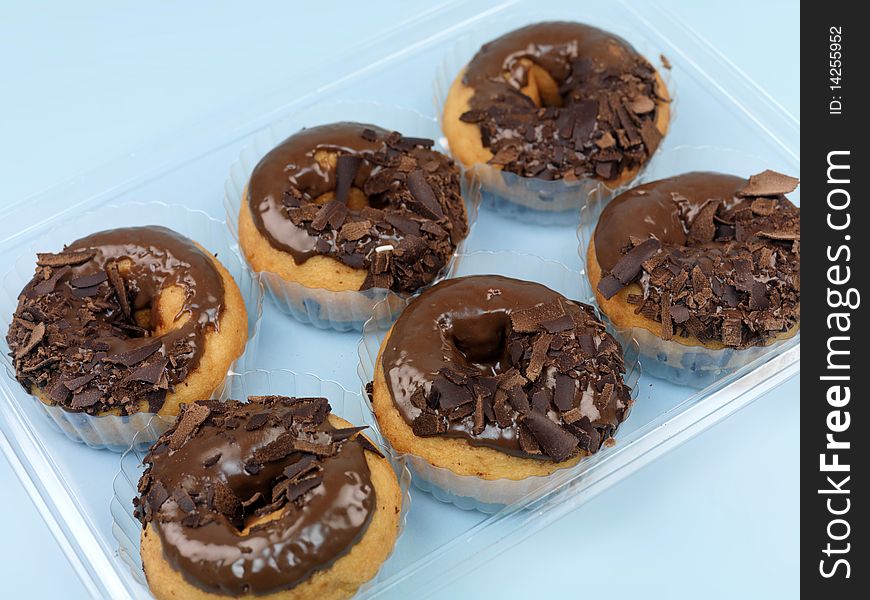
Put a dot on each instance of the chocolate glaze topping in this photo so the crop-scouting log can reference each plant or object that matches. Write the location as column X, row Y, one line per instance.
column 601, row 121
column 506, row 364
column 254, row 497
column 716, row 256
column 404, row 236
column 82, row 332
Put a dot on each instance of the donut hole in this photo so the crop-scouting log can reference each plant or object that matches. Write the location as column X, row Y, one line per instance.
column 356, row 199
column 161, row 313
column 256, row 489
column 141, row 305
column 253, row 521
column 328, row 161
column 480, row 340
column 243, row 526
column 540, row 86
column 167, row 311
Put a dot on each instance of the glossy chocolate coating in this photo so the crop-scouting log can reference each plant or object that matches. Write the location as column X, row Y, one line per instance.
column 552, row 45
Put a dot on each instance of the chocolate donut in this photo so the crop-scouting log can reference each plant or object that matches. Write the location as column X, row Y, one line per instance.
column 349, row 206
column 128, row 320
column 557, row 100
column 498, row 378
column 270, row 497
column 701, row 259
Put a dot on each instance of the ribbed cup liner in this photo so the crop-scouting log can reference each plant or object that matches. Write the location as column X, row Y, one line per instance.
column 348, row 405
column 529, row 199
column 469, row 492
column 322, row 308
column 694, row 366
column 116, row 432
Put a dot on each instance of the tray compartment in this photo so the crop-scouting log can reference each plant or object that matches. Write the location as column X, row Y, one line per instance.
column 718, row 106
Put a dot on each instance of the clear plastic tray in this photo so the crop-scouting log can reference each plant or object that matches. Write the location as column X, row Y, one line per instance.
column 71, row 484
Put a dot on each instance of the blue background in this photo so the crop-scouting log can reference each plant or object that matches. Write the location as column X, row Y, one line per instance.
column 82, row 84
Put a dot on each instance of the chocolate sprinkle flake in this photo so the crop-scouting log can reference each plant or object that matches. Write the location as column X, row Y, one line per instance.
column 679, row 313
column 74, row 384
column 47, row 286
column 183, row 500
column 367, row 444
column 534, row 318
column 554, row 440
column 629, row 265
column 64, row 259
column 154, row 498
column 189, row 421
column 537, row 391
column 135, row 355
column 428, row 424
column 275, row 450
column 36, row 335
column 423, row 194
column 114, row 276
column 332, row 214
column 224, row 501
column 563, row 397
column 609, row 286
column 85, row 398
column 86, row 281
column 450, row 395
column 58, row 393
column 301, row 466
column 256, row 421
column 702, row 229
column 152, row 372
column 339, row 435
column 769, row 183
column 292, row 491
column 345, row 171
